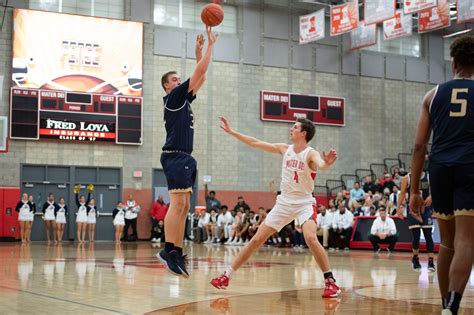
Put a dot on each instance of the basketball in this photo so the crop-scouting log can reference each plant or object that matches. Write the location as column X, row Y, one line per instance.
column 212, row 14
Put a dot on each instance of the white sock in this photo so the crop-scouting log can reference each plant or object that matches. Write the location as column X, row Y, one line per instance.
column 279, row 239
column 228, row 272
column 287, row 239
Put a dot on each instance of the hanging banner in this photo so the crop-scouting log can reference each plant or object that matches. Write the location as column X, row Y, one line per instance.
column 413, row 6
column 312, row 27
column 398, row 27
column 376, row 11
column 344, row 18
column 465, row 10
column 434, row 18
column 363, row 36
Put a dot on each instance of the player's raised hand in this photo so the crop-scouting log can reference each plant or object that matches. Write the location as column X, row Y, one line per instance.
column 225, row 124
column 416, row 206
column 331, row 157
column 211, row 37
column 200, row 42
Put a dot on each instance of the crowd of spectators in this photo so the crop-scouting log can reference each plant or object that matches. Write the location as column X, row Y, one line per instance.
column 220, row 224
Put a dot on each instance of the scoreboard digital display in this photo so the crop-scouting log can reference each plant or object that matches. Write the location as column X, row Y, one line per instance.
column 71, row 116
column 287, row 107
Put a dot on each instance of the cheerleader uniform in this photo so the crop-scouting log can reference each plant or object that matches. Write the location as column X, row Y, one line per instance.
column 91, row 215
column 23, row 208
column 31, row 216
column 61, row 213
column 82, row 209
column 119, row 216
column 49, row 211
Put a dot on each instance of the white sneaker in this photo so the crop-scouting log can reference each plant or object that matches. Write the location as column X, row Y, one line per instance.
column 240, row 242
column 153, row 240
column 229, row 241
column 158, row 240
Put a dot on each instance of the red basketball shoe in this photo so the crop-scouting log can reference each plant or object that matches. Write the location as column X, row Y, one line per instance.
column 221, row 282
column 331, row 290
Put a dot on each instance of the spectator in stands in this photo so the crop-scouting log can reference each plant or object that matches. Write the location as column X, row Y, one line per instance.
column 369, row 185
column 397, row 179
column 223, row 221
column 210, row 226
column 241, row 203
column 357, row 193
column 340, row 198
column 383, row 231
column 324, row 224
column 158, row 213
column 391, row 208
column 199, row 230
column 388, row 182
column 211, row 201
column 368, row 208
column 341, row 228
column 256, row 221
column 234, row 229
column 394, row 196
column 356, row 209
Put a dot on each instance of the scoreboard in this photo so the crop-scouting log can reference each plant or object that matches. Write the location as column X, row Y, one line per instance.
column 75, row 117
column 287, row 107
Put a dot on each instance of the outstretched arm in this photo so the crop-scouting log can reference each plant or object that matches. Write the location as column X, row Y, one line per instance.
column 325, row 162
column 199, row 76
column 199, row 46
column 401, row 200
column 277, row 148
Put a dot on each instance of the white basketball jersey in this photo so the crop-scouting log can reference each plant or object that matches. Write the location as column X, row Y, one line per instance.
column 297, row 178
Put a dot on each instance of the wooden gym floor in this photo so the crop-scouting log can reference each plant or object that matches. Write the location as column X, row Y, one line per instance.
column 105, row 278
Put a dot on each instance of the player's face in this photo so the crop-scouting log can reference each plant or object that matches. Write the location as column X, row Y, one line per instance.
column 173, row 81
column 296, row 133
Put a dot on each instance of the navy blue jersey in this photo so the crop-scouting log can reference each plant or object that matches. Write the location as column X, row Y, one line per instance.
column 179, row 120
column 452, row 119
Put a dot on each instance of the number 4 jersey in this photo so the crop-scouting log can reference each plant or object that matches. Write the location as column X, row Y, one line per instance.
column 452, row 119
column 297, row 178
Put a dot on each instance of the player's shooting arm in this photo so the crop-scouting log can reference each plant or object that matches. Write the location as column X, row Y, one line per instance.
column 422, row 136
column 199, row 46
column 199, row 76
column 277, row 148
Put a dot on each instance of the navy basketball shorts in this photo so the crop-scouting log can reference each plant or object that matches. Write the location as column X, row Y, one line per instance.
column 180, row 171
column 452, row 190
column 427, row 220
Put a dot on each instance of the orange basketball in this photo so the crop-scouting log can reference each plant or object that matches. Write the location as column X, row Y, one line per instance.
column 212, row 14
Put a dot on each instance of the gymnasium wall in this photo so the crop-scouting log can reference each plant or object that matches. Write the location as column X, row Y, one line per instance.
column 383, row 94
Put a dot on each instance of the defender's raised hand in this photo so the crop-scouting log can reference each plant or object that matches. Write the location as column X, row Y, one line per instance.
column 331, row 157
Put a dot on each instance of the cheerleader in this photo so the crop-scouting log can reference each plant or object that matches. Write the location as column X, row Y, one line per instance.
column 81, row 215
column 49, row 218
column 23, row 208
column 91, row 219
column 119, row 221
column 31, row 218
column 61, row 214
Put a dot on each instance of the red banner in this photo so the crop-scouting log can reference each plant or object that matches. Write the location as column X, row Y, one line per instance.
column 344, row 18
column 434, row 18
column 398, row 27
column 413, row 6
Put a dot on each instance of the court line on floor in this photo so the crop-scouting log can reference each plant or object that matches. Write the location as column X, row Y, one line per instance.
column 63, row 300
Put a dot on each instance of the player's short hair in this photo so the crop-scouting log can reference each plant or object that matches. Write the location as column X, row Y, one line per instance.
column 308, row 126
column 224, row 207
column 462, row 51
column 164, row 78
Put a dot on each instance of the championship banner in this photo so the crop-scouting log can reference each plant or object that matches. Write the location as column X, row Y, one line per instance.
column 344, row 18
column 53, row 51
column 398, row 27
column 376, row 11
column 364, row 36
column 413, row 6
column 465, row 10
column 312, row 27
column 434, row 18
